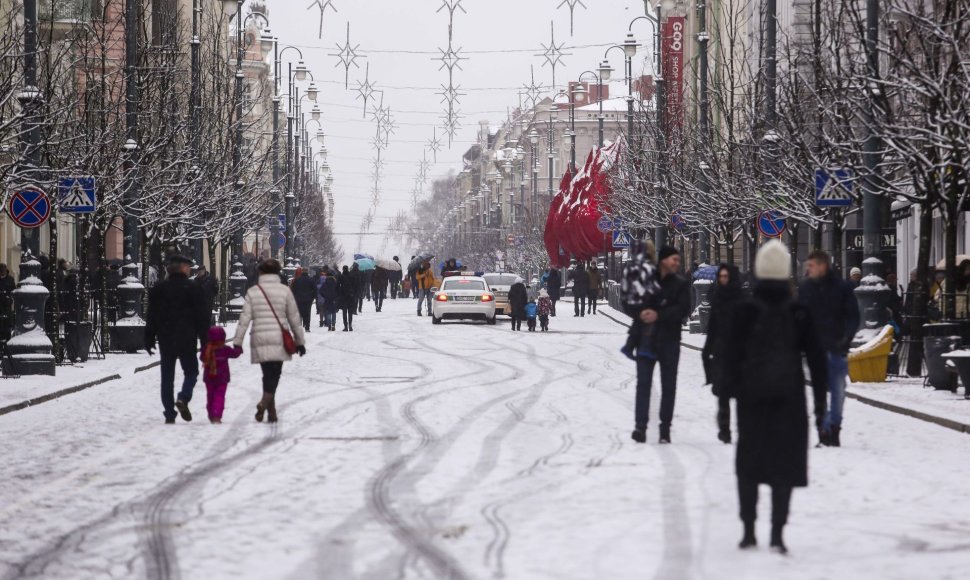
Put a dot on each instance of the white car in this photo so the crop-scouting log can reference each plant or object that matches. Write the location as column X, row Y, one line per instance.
column 463, row 297
column 499, row 284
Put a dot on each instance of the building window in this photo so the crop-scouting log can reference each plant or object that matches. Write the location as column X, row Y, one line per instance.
column 69, row 10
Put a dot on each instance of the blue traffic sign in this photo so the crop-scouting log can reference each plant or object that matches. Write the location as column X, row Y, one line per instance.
column 833, row 187
column 677, row 221
column 621, row 239
column 282, row 219
column 29, row 207
column 771, row 224
column 604, row 224
column 280, row 240
column 77, row 195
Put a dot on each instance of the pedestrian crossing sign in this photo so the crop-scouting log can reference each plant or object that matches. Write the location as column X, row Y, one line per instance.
column 621, row 239
column 833, row 187
column 77, row 195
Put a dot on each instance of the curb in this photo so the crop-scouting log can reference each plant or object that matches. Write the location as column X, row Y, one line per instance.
column 941, row 421
column 56, row 395
column 147, row 367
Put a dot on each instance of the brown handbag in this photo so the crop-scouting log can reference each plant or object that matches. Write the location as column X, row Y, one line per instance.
column 289, row 345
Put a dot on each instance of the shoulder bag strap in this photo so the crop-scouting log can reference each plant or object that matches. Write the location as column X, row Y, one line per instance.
column 271, row 309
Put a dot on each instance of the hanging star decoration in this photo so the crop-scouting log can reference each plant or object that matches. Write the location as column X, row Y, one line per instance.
column 322, row 5
column 572, row 9
column 365, row 90
column 532, row 90
column 553, row 54
column 435, row 144
column 347, row 53
column 450, row 59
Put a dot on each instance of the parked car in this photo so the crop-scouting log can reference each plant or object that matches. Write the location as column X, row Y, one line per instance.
column 463, row 298
column 499, row 283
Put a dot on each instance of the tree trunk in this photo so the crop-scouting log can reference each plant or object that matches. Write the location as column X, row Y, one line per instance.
column 837, row 241
column 950, row 255
column 919, row 292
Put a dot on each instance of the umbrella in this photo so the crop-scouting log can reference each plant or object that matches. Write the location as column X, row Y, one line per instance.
column 389, row 265
column 419, row 259
column 706, row 273
column 960, row 258
column 363, row 256
column 365, row 264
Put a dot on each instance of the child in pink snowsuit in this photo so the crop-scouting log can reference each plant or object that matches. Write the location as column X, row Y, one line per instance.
column 215, row 365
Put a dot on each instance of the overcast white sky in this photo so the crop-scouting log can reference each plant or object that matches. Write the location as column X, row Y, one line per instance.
column 399, row 40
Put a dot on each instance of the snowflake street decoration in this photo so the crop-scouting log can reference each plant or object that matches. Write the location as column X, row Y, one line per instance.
column 450, row 59
column 435, row 145
column 553, row 54
column 533, row 90
column 366, row 89
column 347, row 53
column 451, row 124
column 322, row 5
column 572, row 9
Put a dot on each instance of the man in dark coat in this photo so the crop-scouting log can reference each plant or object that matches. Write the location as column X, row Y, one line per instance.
column 580, row 290
column 518, row 298
column 726, row 294
column 763, row 370
column 210, row 288
column 348, row 294
column 358, row 280
column 379, row 282
column 666, row 313
column 554, row 283
column 836, row 315
column 7, row 286
column 305, row 292
column 327, row 302
column 178, row 320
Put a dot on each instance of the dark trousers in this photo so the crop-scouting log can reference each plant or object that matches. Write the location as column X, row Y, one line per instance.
column 395, row 288
column 379, row 296
column 348, row 314
column 360, row 304
column 305, row 308
column 544, row 322
column 190, row 368
column 516, row 323
column 591, row 304
column 579, row 304
column 780, row 502
column 271, row 375
column 668, row 355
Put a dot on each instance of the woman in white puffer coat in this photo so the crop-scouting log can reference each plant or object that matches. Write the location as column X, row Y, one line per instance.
column 270, row 307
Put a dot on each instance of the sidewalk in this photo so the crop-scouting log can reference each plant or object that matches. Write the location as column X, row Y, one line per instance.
column 904, row 396
column 20, row 393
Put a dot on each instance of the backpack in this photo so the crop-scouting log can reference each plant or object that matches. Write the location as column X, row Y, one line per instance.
column 772, row 369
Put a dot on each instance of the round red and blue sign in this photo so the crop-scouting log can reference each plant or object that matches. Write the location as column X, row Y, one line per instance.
column 29, row 207
column 771, row 224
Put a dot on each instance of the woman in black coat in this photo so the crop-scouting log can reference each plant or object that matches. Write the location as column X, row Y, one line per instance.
column 763, row 370
column 725, row 295
column 518, row 298
column 348, row 295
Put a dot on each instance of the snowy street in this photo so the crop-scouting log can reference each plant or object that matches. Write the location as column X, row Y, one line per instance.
column 456, row 451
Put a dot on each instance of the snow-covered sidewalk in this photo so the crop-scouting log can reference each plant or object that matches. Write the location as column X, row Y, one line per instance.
column 407, row 450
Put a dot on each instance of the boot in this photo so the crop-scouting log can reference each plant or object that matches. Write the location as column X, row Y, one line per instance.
column 271, row 410
column 639, row 435
column 834, row 440
column 665, row 434
column 749, row 540
column 777, row 543
column 824, row 438
column 183, row 409
column 262, row 405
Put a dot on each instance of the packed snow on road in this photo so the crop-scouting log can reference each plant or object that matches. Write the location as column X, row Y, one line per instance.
column 461, row 450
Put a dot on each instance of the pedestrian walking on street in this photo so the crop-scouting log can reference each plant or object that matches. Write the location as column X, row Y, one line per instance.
column 531, row 313
column 580, row 290
column 554, row 286
column 305, row 292
column 178, row 320
column 638, row 290
column 347, row 298
column 763, row 370
column 666, row 313
column 425, row 280
column 395, row 277
column 215, row 371
column 379, row 283
column 210, row 287
column 725, row 296
column 327, row 302
column 518, row 298
column 835, row 314
column 277, row 331
column 358, row 280
column 544, row 307
column 595, row 283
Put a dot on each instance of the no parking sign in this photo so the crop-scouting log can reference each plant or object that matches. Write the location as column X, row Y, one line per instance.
column 29, row 207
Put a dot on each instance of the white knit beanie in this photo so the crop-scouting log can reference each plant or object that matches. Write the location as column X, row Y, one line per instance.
column 773, row 262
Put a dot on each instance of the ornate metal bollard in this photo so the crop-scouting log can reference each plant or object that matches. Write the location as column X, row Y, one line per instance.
column 128, row 332
column 237, row 293
column 30, row 351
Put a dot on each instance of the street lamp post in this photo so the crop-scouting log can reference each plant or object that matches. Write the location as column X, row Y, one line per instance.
column 660, row 235
column 702, row 40
column 534, row 140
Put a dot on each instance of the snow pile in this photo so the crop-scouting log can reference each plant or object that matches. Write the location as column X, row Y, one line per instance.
column 131, row 321
column 32, row 340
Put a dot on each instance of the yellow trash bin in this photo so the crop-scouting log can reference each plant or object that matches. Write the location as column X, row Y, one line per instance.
column 869, row 362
